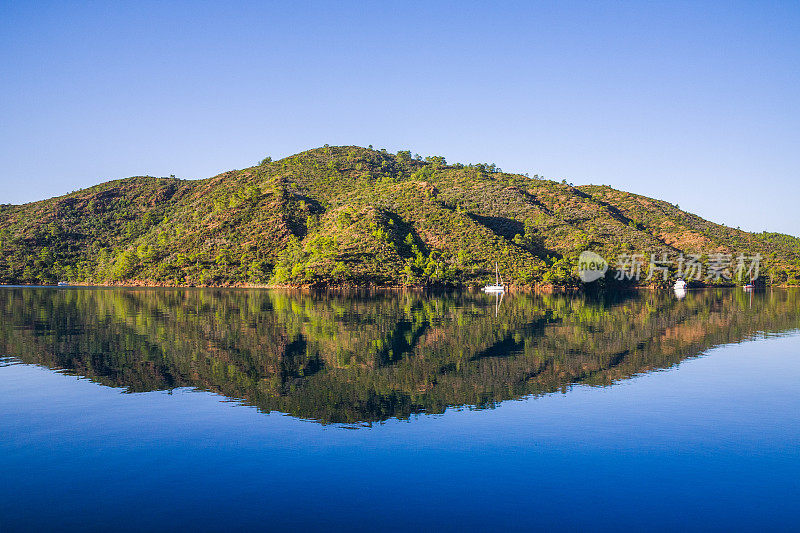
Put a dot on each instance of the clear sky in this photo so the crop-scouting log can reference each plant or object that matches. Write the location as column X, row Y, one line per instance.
column 696, row 103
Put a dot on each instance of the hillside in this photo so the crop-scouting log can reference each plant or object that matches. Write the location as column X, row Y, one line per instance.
column 353, row 216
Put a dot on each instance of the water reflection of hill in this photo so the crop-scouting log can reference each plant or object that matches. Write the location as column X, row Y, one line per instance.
column 346, row 359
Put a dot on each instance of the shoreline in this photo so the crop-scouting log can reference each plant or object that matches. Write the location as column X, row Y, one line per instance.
column 381, row 288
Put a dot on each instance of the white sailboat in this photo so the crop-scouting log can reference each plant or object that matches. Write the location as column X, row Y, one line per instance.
column 680, row 289
column 498, row 283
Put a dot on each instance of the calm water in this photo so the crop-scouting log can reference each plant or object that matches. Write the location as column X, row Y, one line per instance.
column 237, row 410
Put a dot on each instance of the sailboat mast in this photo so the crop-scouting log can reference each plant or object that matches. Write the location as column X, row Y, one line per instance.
column 496, row 274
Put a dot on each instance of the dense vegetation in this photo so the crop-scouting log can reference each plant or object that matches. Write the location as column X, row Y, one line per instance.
column 336, row 358
column 353, row 216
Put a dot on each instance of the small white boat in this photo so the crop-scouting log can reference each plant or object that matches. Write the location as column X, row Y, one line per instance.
column 680, row 285
column 63, row 284
column 498, row 283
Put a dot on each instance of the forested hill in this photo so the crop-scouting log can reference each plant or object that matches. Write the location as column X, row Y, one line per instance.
column 353, row 216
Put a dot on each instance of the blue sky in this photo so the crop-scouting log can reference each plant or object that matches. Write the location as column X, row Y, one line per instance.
column 697, row 103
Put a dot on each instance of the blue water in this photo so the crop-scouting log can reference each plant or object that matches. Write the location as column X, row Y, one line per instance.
column 710, row 444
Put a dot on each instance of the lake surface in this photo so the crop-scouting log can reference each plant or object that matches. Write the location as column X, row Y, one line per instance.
column 161, row 409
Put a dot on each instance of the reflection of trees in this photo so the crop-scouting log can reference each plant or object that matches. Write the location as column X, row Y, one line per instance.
column 334, row 358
